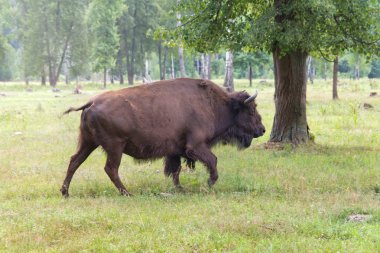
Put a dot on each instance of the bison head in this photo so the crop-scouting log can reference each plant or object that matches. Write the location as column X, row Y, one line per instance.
column 247, row 121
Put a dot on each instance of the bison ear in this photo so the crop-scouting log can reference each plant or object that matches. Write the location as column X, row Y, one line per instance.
column 236, row 104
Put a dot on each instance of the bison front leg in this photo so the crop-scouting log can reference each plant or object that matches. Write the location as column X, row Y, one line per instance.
column 112, row 168
column 204, row 154
column 173, row 169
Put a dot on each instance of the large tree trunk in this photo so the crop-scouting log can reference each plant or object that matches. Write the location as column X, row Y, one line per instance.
column 335, row 78
column 228, row 77
column 290, row 124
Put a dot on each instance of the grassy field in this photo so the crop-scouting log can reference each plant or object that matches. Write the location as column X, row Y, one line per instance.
column 290, row 200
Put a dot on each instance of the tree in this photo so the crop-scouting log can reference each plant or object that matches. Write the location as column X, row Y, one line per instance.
column 48, row 31
column 102, row 22
column 335, row 78
column 229, row 77
column 250, row 61
column 285, row 28
column 375, row 69
column 136, row 27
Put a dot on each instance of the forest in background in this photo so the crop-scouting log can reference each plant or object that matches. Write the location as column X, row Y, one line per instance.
column 83, row 40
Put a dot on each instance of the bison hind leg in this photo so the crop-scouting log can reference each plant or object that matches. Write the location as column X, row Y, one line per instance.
column 173, row 168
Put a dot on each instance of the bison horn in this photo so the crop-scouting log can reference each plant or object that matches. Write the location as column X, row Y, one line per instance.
column 250, row 99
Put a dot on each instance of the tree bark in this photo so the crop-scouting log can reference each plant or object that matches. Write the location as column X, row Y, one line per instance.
column 105, row 78
column 208, row 60
column 204, row 67
column 43, row 77
column 335, row 78
column 181, row 62
column 173, row 71
column 250, row 74
column 164, row 63
column 325, row 71
column 159, row 49
column 180, row 49
column 228, row 77
column 290, row 123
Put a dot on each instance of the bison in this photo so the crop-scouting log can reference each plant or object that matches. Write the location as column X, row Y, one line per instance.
column 172, row 119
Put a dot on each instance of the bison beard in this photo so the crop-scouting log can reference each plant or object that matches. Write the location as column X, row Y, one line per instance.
column 172, row 119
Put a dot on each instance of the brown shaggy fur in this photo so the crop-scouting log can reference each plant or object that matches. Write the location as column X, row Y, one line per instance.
column 172, row 119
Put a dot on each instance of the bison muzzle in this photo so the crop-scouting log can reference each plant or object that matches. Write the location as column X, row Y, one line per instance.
column 172, row 119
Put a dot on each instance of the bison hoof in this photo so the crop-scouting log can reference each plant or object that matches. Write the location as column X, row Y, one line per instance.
column 179, row 188
column 65, row 192
column 211, row 182
column 125, row 193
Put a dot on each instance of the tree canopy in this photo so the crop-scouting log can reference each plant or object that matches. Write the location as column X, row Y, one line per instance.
column 319, row 26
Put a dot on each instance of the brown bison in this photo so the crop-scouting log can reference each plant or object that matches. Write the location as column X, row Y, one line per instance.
column 172, row 119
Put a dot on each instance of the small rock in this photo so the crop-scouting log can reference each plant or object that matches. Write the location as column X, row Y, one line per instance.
column 166, row 194
column 373, row 94
column 29, row 90
column 57, row 95
column 367, row 106
column 2, row 94
column 18, row 133
column 56, row 90
column 359, row 217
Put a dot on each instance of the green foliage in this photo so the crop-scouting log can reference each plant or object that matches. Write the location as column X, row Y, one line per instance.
column 102, row 19
column 326, row 27
column 375, row 69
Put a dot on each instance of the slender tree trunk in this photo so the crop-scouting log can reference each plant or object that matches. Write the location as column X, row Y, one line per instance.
column 132, row 56
column 250, row 74
column 208, row 60
column 199, row 70
column 325, row 71
column 290, row 123
column 119, row 65
column 105, row 78
column 203, row 68
column 228, row 77
column 180, row 49
column 173, row 71
column 43, row 77
column 335, row 78
column 159, row 49
column 164, row 63
column 121, row 76
column 310, row 71
column 357, row 68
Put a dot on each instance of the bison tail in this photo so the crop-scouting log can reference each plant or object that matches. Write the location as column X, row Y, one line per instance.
column 71, row 109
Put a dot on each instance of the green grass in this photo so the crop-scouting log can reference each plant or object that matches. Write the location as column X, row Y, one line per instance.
column 290, row 200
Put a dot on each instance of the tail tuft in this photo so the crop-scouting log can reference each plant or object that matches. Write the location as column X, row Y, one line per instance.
column 71, row 109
